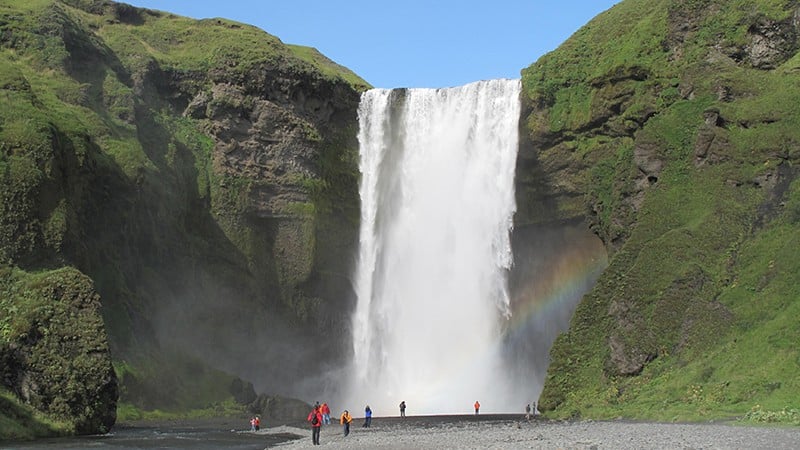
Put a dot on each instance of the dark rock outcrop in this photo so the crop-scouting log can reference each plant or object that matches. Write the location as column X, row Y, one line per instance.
column 276, row 409
column 242, row 391
column 771, row 43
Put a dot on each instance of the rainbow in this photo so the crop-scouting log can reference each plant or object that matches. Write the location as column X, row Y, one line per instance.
column 558, row 288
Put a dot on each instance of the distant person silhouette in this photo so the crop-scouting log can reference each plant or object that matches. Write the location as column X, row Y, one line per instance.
column 528, row 412
column 367, row 417
column 403, row 408
column 477, row 407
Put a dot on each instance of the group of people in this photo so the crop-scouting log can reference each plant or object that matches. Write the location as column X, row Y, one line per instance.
column 255, row 423
column 321, row 414
column 529, row 410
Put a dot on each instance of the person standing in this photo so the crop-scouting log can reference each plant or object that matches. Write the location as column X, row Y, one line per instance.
column 345, row 421
column 403, row 408
column 477, row 407
column 326, row 413
column 315, row 418
column 258, row 423
column 367, row 417
column 528, row 412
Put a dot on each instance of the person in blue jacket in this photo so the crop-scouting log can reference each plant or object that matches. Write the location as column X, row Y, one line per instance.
column 367, row 417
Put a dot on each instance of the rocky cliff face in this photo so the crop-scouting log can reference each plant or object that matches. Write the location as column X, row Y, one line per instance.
column 201, row 175
column 666, row 127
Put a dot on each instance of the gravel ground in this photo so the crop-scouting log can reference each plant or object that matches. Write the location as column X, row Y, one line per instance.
column 504, row 432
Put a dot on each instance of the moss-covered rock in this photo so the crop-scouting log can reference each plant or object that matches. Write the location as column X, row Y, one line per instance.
column 54, row 352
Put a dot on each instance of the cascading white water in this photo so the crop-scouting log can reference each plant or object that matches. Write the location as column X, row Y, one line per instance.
column 437, row 195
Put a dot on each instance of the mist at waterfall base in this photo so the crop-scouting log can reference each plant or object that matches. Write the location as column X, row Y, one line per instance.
column 435, row 325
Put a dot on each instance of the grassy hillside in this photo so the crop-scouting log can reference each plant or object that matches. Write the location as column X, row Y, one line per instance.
column 679, row 122
column 200, row 173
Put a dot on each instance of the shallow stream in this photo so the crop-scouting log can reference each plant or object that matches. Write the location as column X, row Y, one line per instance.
column 129, row 437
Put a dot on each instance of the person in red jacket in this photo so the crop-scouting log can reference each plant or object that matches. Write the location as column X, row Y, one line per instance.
column 326, row 413
column 315, row 418
column 477, row 407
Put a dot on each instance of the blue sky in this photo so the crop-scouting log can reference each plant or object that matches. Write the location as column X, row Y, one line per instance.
column 410, row 43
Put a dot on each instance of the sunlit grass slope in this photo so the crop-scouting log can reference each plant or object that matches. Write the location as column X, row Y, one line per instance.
column 689, row 149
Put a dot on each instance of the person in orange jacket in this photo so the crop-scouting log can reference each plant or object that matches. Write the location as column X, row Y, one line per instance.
column 477, row 407
column 345, row 421
column 315, row 418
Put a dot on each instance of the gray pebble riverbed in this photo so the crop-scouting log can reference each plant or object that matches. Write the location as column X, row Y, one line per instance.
column 506, row 433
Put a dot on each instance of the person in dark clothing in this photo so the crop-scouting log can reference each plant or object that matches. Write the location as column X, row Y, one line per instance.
column 315, row 418
column 367, row 417
column 403, row 408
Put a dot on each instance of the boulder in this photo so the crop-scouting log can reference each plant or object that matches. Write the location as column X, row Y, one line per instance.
column 54, row 352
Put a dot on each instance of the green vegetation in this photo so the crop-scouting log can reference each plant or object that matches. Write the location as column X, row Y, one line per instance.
column 21, row 422
column 127, row 412
column 174, row 386
column 205, row 173
column 147, row 153
column 691, row 161
column 784, row 416
column 328, row 67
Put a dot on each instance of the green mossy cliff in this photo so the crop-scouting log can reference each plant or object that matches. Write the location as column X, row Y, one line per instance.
column 200, row 176
column 672, row 127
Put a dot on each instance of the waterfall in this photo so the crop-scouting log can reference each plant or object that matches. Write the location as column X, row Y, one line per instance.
column 437, row 205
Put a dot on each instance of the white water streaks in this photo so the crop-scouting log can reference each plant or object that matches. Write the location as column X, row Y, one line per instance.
column 437, row 206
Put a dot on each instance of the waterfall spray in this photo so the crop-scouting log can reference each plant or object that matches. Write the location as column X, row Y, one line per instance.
column 437, row 195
